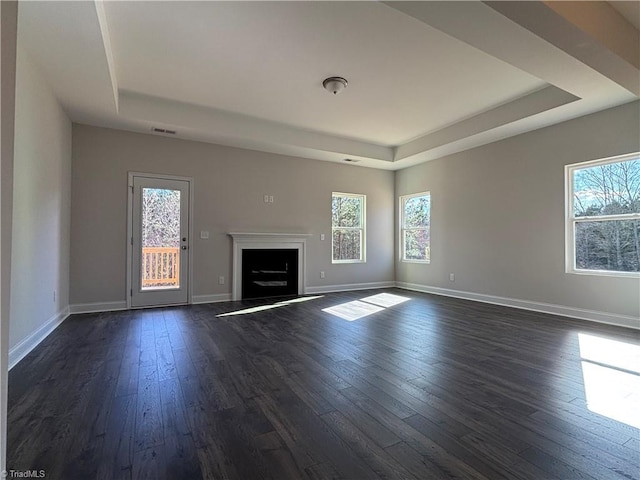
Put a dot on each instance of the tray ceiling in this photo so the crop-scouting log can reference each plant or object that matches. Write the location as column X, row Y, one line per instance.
column 426, row 79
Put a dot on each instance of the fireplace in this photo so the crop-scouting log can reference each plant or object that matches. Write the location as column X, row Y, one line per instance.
column 269, row 272
column 276, row 253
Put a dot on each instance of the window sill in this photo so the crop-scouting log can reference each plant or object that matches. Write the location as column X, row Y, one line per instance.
column 605, row 273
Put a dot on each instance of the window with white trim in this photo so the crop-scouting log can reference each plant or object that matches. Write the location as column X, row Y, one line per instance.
column 348, row 227
column 603, row 216
column 415, row 227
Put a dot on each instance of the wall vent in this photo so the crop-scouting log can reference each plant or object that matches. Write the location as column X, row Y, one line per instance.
column 163, row 130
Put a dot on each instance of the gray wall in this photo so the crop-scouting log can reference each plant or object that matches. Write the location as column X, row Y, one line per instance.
column 41, row 205
column 8, row 36
column 498, row 215
column 229, row 185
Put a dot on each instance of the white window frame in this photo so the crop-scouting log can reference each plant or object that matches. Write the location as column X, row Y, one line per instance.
column 404, row 229
column 362, row 228
column 571, row 220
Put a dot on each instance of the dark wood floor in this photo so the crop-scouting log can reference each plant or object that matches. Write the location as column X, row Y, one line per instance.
column 431, row 388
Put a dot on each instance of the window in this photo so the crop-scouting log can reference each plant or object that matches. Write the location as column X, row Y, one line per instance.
column 603, row 216
column 415, row 220
column 347, row 227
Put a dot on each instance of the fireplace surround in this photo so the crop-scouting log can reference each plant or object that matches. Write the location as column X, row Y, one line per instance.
column 267, row 241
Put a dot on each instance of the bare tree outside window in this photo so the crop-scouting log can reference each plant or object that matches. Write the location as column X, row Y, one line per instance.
column 606, row 216
column 160, row 256
column 160, row 217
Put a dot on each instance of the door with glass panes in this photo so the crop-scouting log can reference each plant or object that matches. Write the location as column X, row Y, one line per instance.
column 160, row 241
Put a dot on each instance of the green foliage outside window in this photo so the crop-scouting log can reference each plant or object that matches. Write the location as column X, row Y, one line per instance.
column 416, row 227
column 347, row 222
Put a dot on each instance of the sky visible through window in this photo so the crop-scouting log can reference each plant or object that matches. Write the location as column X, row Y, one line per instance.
column 607, row 189
column 606, row 201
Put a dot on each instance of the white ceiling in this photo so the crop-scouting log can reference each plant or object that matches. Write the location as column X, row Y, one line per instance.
column 425, row 78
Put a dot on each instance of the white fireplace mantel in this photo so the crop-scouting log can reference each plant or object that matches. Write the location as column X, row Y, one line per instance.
column 252, row 241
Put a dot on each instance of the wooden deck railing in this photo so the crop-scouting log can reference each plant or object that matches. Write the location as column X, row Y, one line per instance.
column 160, row 267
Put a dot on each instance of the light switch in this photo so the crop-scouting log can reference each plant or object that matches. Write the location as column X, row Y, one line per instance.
column 322, row 236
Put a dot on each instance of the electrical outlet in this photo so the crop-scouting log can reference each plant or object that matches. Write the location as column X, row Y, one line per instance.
column 322, row 236
column 270, row 198
column 452, row 277
column 266, row 199
column 321, row 274
column 220, row 280
column 204, row 235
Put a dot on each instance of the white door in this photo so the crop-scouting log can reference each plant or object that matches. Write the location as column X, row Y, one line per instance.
column 159, row 241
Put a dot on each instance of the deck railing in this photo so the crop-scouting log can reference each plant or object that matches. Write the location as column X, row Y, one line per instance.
column 160, row 267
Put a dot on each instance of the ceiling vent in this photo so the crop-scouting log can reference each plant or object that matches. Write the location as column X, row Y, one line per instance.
column 163, row 130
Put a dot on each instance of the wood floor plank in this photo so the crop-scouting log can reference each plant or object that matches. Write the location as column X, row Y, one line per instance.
column 281, row 462
column 118, row 452
column 419, row 464
column 369, row 425
column 150, row 464
column 554, row 466
column 454, row 446
column 148, row 431
column 512, row 463
column 431, row 388
column 366, row 448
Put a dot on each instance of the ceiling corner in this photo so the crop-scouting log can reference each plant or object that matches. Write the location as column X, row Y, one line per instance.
column 591, row 32
column 106, row 42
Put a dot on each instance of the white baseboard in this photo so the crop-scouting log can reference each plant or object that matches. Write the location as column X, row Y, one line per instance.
column 225, row 297
column 97, row 307
column 591, row 315
column 349, row 287
column 220, row 297
column 23, row 348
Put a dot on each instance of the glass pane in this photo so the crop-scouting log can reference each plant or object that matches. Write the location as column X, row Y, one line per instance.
column 609, row 189
column 347, row 245
column 612, row 245
column 417, row 211
column 160, row 259
column 417, row 245
column 346, row 211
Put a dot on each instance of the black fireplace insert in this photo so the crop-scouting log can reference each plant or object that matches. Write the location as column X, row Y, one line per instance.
column 269, row 272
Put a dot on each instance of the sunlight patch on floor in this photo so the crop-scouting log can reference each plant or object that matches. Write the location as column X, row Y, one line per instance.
column 610, row 352
column 357, row 309
column 611, row 374
column 262, row 308
column 354, row 310
column 385, row 300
